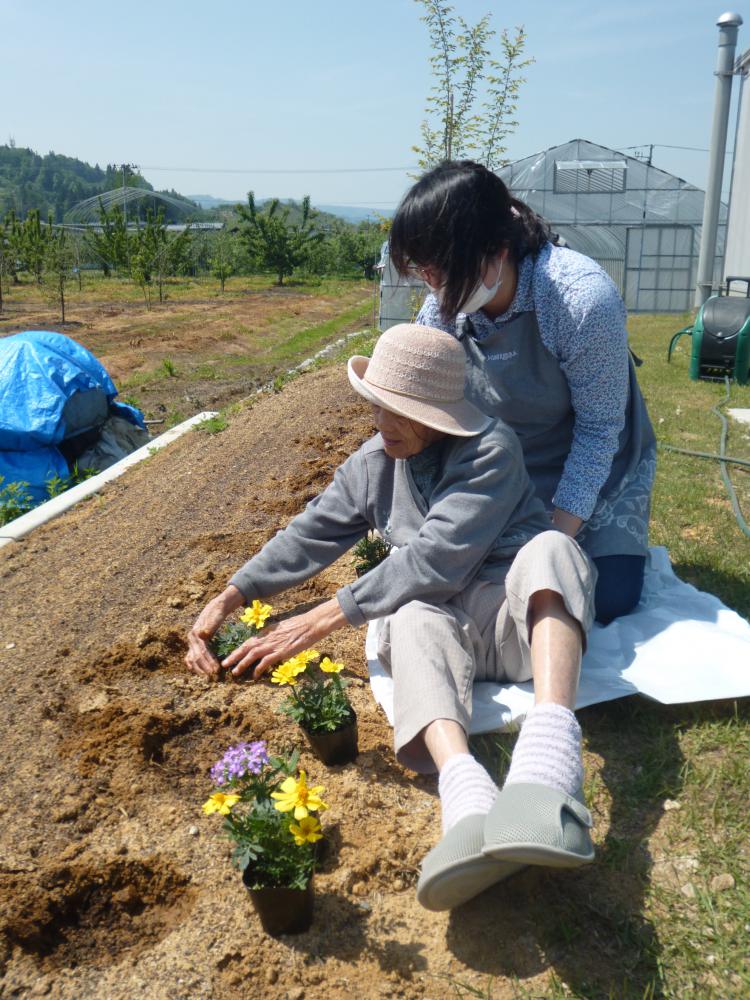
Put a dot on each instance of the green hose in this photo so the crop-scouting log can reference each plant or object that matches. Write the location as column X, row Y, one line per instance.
column 722, row 458
column 706, row 454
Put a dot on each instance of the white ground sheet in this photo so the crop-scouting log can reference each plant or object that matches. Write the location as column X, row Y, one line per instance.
column 679, row 645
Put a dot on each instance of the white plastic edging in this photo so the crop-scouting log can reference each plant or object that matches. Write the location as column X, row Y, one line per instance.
column 57, row 505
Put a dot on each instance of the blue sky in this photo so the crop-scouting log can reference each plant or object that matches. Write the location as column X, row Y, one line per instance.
column 235, row 86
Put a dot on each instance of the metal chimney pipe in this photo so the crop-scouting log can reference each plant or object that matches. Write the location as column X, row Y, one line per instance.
column 728, row 25
column 737, row 255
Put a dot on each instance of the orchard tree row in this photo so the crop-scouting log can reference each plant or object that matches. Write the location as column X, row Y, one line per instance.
column 279, row 239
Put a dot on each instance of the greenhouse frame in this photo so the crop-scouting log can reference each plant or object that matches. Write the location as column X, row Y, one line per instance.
column 642, row 224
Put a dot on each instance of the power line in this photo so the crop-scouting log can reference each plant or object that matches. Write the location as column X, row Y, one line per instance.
column 662, row 145
column 356, row 170
column 254, row 170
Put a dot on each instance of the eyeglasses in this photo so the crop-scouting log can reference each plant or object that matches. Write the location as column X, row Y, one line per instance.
column 429, row 275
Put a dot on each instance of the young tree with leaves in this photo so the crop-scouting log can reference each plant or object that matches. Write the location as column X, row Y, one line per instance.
column 4, row 260
column 35, row 240
column 223, row 259
column 76, row 247
column 57, row 267
column 473, row 100
column 276, row 243
column 140, row 272
column 159, row 254
column 109, row 243
column 16, row 247
column 359, row 248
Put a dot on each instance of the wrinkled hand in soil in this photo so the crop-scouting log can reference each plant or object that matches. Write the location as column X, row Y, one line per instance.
column 200, row 659
column 278, row 643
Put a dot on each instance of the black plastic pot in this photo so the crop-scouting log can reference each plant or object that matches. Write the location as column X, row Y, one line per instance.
column 338, row 747
column 281, row 911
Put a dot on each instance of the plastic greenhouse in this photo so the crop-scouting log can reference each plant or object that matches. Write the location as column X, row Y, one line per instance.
column 400, row 298
column 640, row 223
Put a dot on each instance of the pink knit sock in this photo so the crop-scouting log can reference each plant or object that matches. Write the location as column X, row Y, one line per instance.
column 465, row 789
column 548, row 750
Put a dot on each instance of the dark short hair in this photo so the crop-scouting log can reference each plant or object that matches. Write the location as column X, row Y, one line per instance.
column 454, row 218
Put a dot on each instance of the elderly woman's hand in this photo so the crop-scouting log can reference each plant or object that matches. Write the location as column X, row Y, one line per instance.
column 199, row 657
column 280, row 642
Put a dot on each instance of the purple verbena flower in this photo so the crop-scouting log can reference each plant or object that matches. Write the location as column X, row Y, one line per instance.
column 245, row 758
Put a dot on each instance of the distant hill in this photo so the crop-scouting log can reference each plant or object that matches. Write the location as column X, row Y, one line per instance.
column 54, row 183
column 351, row 213
column 208, row 200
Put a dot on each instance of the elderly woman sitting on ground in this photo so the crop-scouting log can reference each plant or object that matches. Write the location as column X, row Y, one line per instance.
column 478, row 588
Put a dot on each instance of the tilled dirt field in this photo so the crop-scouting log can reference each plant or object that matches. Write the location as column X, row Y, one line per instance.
column 112, row 882
column 216, row 348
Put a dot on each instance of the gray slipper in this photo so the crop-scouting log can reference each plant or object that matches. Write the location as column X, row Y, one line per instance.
column 455, row 870
column 536, row 825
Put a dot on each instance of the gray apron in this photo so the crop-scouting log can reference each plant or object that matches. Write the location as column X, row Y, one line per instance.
column 512, row 375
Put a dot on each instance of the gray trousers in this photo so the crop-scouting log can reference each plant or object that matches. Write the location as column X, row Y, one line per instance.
column 435, row 652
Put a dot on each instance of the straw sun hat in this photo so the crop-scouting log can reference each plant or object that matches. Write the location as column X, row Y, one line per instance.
column 419, row 372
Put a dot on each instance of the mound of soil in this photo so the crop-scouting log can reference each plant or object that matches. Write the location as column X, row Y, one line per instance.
column 112, row 882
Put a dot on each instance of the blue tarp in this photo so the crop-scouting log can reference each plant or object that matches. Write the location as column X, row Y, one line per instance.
column 40, row 371
column 35, row 467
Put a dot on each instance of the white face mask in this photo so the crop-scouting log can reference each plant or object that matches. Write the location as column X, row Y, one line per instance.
column 479, row 297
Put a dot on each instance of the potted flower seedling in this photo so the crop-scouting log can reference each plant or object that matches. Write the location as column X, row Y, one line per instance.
column 233, row 633
column 318, row 703
column 369, row 552
column 269, row 812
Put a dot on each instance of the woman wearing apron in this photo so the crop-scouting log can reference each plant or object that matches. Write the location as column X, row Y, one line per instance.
column 544, row 333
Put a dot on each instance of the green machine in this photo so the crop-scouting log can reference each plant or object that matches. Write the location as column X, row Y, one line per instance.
column 720, row 337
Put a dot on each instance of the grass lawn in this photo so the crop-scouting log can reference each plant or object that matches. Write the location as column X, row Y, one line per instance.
column 692, row 513
column 665, row 911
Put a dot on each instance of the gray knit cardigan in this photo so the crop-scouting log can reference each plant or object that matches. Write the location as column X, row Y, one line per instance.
column 481, row 510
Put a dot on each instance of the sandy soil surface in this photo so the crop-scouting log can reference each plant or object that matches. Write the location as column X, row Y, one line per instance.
column 112, row 882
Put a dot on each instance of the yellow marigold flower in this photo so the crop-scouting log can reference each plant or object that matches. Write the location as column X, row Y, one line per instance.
column 285, row 674
column 220, row 803
column 256, row 614
column 296, row 665
column 329, row 667
column 307, row 831
column 307, row 655
column 296, row 795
